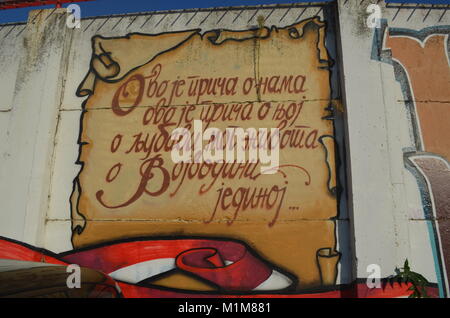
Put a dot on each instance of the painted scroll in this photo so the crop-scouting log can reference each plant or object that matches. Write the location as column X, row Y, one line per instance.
column 141, row 87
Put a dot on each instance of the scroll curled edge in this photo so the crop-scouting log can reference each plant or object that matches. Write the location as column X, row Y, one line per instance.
column 110, row 61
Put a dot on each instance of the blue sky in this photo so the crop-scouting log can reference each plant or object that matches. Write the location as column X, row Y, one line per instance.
column 105, row 7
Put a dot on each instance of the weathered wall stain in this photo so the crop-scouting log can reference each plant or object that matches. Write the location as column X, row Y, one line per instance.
column 162, row 229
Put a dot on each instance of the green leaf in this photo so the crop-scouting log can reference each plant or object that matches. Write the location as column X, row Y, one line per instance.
column 405, row 275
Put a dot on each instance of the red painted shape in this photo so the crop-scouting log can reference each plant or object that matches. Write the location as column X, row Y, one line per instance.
column 19, row 251
column 14, row 4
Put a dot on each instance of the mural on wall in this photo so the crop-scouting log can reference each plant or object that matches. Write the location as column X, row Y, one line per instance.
column 141, row 87
column 143, row 256
column 422, row 66
column 195, row 228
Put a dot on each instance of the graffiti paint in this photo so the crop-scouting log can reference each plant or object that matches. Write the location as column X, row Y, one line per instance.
column 161, row 228
column 421, row 63
column 140, row 87
column 119, row 258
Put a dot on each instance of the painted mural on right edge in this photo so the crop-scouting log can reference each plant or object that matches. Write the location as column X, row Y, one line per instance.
column 420, row 60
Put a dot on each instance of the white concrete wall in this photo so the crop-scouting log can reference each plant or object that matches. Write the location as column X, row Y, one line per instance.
column 39, row 125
